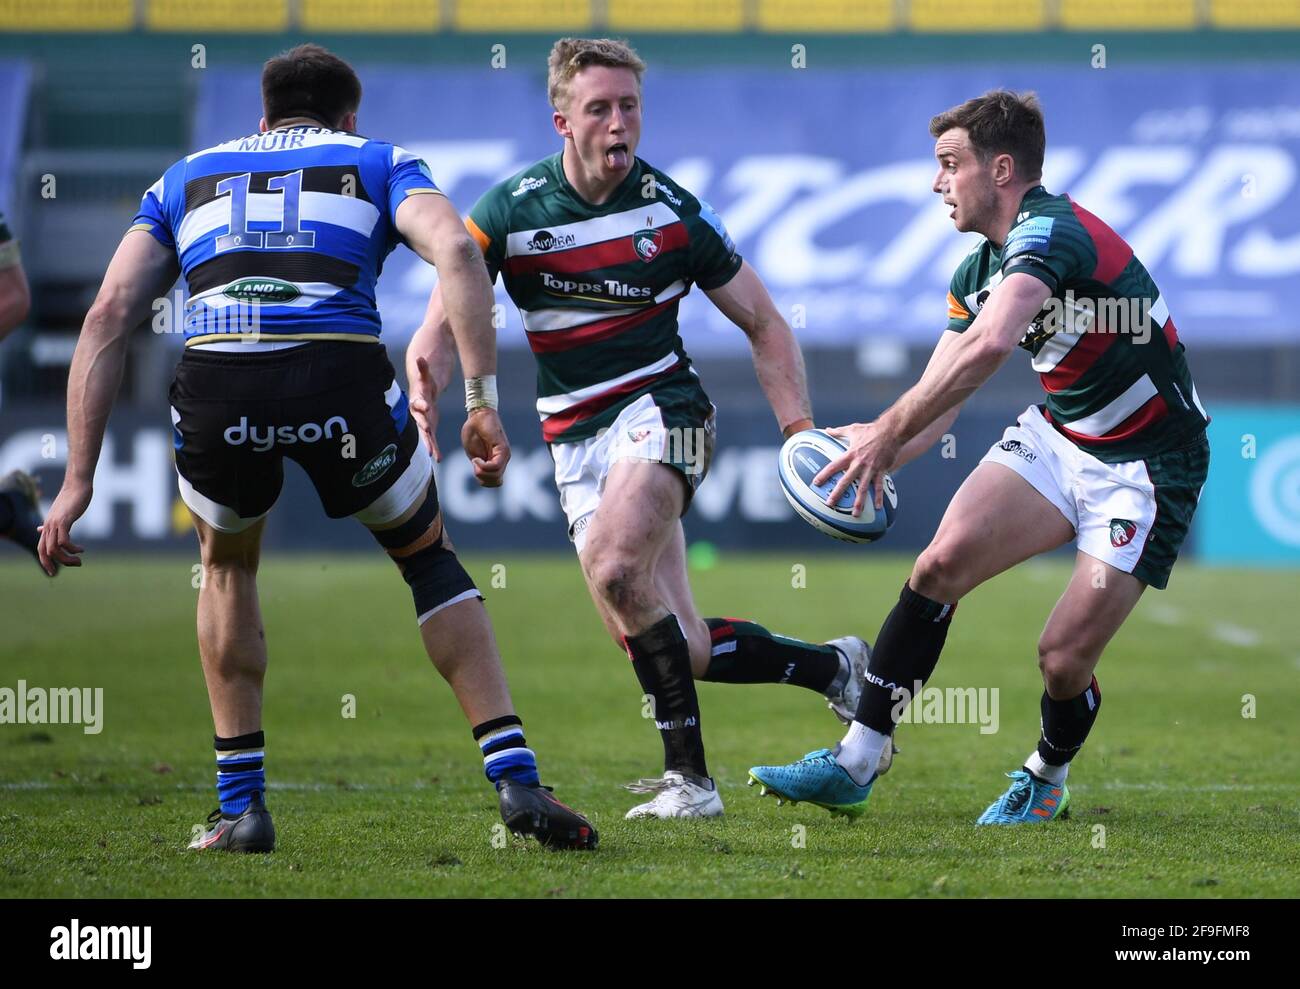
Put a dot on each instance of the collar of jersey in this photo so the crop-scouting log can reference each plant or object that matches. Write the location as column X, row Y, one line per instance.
column 1036, row 192
column 633, row 175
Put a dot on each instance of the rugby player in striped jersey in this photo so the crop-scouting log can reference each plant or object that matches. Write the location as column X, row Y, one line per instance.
column 280, row 237
column 20, row 510
column 597, row 249
column 1113, row 460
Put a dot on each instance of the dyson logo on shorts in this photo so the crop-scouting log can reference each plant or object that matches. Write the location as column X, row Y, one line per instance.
column 263, row 438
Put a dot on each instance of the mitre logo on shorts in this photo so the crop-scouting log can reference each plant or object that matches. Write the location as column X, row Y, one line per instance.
column 544, row 240
column 647, row 244
column 265, row 437
column 637, row 435
column 376, row 468
column 1019, row 449
column 1122, row 532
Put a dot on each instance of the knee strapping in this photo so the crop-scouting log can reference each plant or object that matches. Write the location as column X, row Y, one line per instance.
column 437, row 580
column 434, row 573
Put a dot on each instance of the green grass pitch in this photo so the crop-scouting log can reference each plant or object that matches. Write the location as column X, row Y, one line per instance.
column 1176, row 794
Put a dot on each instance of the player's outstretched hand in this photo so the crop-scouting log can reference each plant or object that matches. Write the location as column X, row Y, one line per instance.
column 56, row 545
column 871, row 452
column 484, row 439
column 424, row 405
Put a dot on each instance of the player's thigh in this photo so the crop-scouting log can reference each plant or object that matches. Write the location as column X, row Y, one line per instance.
column 639, row 507
column 1096, row 602
column 996, row 519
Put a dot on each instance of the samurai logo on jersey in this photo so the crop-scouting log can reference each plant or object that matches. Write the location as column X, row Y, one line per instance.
column 544, row 240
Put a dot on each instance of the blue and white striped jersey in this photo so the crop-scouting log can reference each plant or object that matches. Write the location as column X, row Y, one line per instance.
column 283, row 234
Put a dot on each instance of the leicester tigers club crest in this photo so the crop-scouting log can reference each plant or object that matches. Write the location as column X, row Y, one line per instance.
column 647, row 244
column 1122, row 532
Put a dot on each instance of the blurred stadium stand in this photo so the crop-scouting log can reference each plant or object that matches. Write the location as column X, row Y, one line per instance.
column 114, row 97
column 836, row 16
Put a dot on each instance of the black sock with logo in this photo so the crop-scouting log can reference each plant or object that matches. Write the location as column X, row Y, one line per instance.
column 662, row 662
column 906, row 653
column 1066, row 724
column 745, row 652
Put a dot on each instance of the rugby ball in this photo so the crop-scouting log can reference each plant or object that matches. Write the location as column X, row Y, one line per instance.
column 802, row 458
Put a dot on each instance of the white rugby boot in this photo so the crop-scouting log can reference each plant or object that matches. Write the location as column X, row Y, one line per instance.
column 858, row 653
column 675, row 796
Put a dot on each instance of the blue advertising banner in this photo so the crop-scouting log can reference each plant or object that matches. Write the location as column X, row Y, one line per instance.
column 1250, row 510
column 823, row 178
column 738, row 506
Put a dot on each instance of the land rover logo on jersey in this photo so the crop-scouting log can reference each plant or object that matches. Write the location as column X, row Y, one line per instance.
column 264, row 291
column 1122, row 532
column 544, row 240
column 647, row 244
column 376, row 469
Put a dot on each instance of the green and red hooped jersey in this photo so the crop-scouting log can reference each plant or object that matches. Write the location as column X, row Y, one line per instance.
column 1105, row 347
column 598, row 286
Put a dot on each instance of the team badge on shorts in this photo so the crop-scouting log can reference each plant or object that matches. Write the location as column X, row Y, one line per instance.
column 376, row 468
column 1122, row 532
column 647, row 244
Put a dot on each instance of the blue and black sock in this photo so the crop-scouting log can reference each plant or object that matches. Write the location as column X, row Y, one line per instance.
column 506, row 754
column 746, row 652
column 240, row 771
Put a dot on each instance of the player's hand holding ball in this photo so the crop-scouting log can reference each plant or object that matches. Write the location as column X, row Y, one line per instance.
column 870, row 452
column 814, row 469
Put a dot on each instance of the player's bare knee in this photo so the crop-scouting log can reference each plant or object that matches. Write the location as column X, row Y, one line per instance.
column 1066, row 669
column 618, row 582
column 938, row 574
column 229, row 556
column 226, row 565
column 224, row 576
